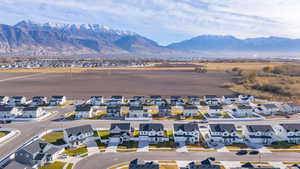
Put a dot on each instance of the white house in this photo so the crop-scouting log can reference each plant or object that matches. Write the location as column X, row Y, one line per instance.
column 3, row 100
column 138, row 113
column 137, row 101
column 268, row 109
column 223, row 133
column 57, row 100
column 116, row 101
column 215, row 111
column 9, row 112
column 84, row 111
column 245, row 99
column 186, row 132
column 38, row 101
column 260, row 134
column 212, row 100
column 17, row 100
column 230, row 99
column 113, row 111
column 177, row 101
column 164, row 111
column 96, row 100
column 32, row 112
column 291, row 132
column 77, row 135
column 243, row 111
column 190, row 111
column 120, row 132
column 291, row 108
column 157, row 100
column 152, row 132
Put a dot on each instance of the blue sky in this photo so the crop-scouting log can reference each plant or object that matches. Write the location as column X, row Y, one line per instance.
column 166, row 21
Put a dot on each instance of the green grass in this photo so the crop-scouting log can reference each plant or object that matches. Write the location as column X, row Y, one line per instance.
column 169, row 133
column 56, row 138
column 101, row 145
column 3, row 133
column 75, row 151
column 55, row 165
column 129, row 144
column 70, row 166
column 167, row 144
column 103, row 134
column 282, row 145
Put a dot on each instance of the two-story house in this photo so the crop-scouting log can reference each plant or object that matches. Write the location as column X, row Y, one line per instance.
column 113, row 111
column 116, row 101
column 291, row 132
column 243, row 111
column 245, row 99
column 230, row 99
column 223, row 133
column 9, row 112
column 32, row 112
column 177, row 100
column 186, row 132
column 291, row 108
column 120, row 132
column 38, row 101
column 96, row 100
column 260, row 134
column 57, row 100
column 137, row 101
column 36, row 153
column 138, row 113
column 194, row 100
column 268, row 109
column 190, row 111
column 212, row 100
column 152, row 132
column 77, row 135
column 164, row 110
column 215, row 110
column 157, row 100
column 84, row 111
column 17, row 100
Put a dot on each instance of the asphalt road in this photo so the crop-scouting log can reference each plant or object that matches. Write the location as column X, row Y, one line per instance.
column 31, row 129
column 105, row 160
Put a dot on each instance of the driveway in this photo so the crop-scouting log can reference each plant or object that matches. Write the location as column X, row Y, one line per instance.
column 112, row 147
column 181, row 147
column 143, row 146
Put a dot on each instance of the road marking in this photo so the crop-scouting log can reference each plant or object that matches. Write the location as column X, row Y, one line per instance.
column 20, row 77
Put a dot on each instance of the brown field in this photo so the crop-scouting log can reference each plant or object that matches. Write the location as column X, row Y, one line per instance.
column 117, row 82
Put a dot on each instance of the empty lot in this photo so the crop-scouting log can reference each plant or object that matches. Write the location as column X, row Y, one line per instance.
column 107, row 83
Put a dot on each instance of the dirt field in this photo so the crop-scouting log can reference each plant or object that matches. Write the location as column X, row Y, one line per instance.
column 106, row 83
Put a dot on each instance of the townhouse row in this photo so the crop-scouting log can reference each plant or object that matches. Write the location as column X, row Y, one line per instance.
column 34, row 101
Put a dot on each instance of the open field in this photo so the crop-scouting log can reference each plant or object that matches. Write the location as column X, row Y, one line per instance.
column 107, row 83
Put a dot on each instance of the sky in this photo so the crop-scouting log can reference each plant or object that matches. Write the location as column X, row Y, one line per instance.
column 166, row 21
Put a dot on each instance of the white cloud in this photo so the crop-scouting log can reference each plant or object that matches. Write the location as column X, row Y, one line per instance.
column 168, row 20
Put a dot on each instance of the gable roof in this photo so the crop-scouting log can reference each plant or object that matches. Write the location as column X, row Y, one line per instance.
column 294, row 127
column 75, row 131
column 30, row 108
column 222, row 128
column 122, row 126
column 260, row 128
column 83, row 108
column 270, row 106
column 57, row 97
column 244, row 107
column 35, row 146
column 211, row 96
column 151, row 126
column 186, row 127
column 215, row 107
column 5, row 108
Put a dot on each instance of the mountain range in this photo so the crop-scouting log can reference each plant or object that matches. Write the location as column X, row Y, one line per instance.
column 29, row 39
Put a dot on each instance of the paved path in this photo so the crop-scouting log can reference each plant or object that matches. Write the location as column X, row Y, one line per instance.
column 143, row 146
column 112, row 147
column 92, row 147
column 182, row 147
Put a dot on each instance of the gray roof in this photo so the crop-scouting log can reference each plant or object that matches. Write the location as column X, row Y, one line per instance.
column 5, row 108
column 230, row 96
column 151, row 126
column 244, row 107
column 186, row 127
column 211, row 96
column 136, row 164
column 75, row 131
column 83, row 108
column 17, row 97
column 190, row 107
column 222, row 127
column 16, row 165
column 216, row 107
column 57, row 97
column 53, row 150
column 30, row 108
column 294, row 127
column 136, row 108
column 270, row 106
column 260, row 128
column 35, row 146
column 122, row 126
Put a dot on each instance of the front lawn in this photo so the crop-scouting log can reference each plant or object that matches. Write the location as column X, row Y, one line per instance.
column 237, row 146
column 167, row 144
column 70, row 166
column 55, row 165
column 168, row 167
column 3, row 133
column 101, row 145
column 103, row 134
column 283, row 145
column 127, row 145
column 75, row 151
column 56, row 138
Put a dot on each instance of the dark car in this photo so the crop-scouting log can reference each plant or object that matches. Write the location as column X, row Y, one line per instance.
column 254, row 152
column 242, row 152
column 5, row 121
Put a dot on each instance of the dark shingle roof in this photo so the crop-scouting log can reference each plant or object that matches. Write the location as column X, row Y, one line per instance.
column 260, row 128
column 83, row 108
column 57, row 97
column 216, row 107
column 244, row 107
column 151, row 126
column 5, row 108
column 30, row 108
column 294, row 127
column 186, row 127
column 222, row 127
column 122, row 126
column 136, row 164
column 270, row 106
column 190, row 107
column 75, row 131
column 35, row 146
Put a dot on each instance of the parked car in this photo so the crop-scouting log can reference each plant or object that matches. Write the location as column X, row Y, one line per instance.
column 242, row 152
column 5, row 121
column 254, row 152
